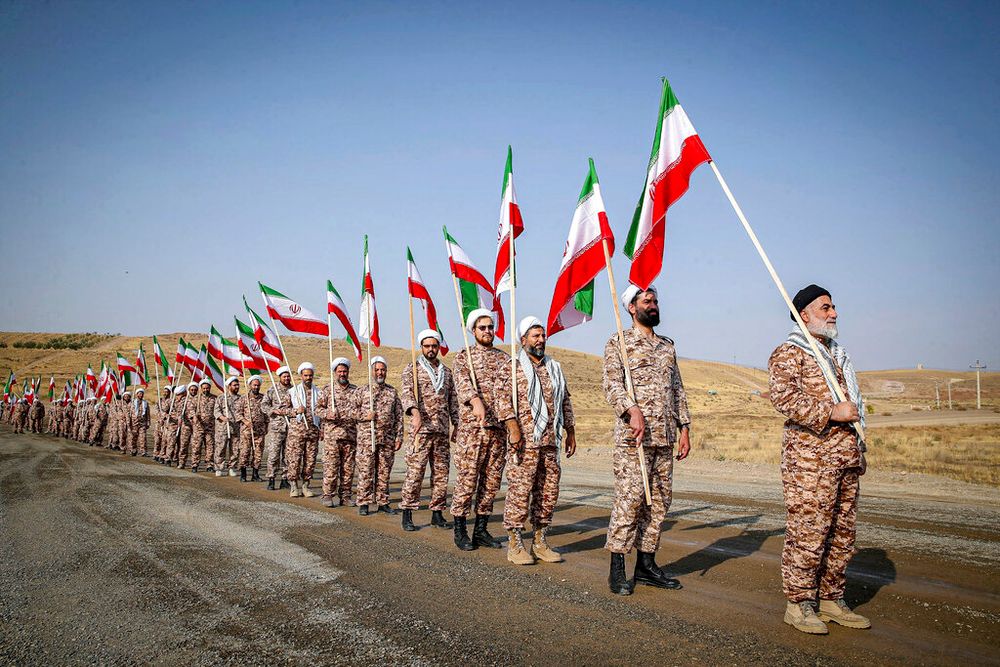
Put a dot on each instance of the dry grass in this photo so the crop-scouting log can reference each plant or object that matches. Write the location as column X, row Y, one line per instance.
column 732, row 422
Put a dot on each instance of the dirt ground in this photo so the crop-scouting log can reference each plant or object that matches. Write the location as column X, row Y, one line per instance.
column 113, row 560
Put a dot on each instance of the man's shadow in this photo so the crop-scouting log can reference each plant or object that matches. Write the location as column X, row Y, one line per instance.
column 599, row 523
column 869, row 571
column 725, row 548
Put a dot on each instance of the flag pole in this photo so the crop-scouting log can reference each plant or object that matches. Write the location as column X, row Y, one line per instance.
column 329, row 339
column 628, row 372
column 156, row 374
column 828, row 372
column 371, row 396
column 513, row 325
column 461, row 314
column 266, row 367
column 413, row 349
column 274, row 327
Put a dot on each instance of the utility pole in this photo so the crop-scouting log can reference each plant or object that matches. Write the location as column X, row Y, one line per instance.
column 937, row 395
column 979, row 367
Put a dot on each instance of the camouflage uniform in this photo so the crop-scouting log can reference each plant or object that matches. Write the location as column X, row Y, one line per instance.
column 374, row 466
column 225, row 404
column 174, row 419
column 140, row 426
column 97, row 418
column 36, row 413
column 820, row 466
column 114, row 434
column 127, row 420
column 438, row 412
column 661, row 398
column 68, row 419
column 277, row 431
column 537, row 476
column 20, row 415
column 189, row 416
column 83, row 427
column 340, row 439
column 203, row 430
column 160, row 430
column 480, row 449
column 252, row 430
column 303, row 437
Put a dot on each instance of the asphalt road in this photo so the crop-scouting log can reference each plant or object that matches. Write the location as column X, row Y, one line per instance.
column 113, row 560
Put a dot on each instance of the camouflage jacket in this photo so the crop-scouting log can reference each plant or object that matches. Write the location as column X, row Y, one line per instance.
column 659, row 391
column 250, row 413
column 225, row 410
column 492, row 367
column 206, row 409
column 272, row 399
column 388, row 416
column 799, row 392
column 524, row 409
column 340, row 419
column 438, row 410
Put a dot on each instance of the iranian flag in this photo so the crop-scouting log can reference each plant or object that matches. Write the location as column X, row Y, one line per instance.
column 162, row 362
column 91, row 378
column 510, row 223
column 255, row 356
column 472, row 283
column 677, row 151
column 52, row 388
column 418, row 290
column 102, row 380
column 573, row 299
column 215, row 343
column 263, row 333
column 29, row 391
column 369, row 315
column 214, row 372
column 336, row 307
column 200, row 364
column 6, row 387
column 191, row 359
column 126, row 368
column 232, row 357
column 140, row 367
column 291, row 313
column 181, row 349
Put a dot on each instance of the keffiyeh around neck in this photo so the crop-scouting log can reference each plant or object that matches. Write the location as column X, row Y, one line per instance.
column 539, row 411
column 836, row 354
column 435, row 374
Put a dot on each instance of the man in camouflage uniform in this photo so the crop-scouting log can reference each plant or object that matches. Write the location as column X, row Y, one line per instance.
column 84, row 423
column 126, row 422
column 650, row 414
column 301, row 406
column 339, row 408
column 382, row 408
column 227, row 428
column 140, row 423
column 821, row 461
column 68, row 417
column 277, row 429
column 203, row 427
column 35, row 415
column 160, row 429
column 486, row 424
column 174, row 418
column 433, row 413
column 543, row 410
column 253, row 427
column 188, row 418
column 20, row 415
column 94, row 415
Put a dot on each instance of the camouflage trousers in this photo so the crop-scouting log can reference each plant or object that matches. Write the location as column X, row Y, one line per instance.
column 96, row 432
column 479, row 463
column 159, row 438
column 274, row 447
column 373, row 473
column 822, row 509
column 227, row 442
column 35, row 425
column 633, row 522
column 338, row 468
column 535, row 480
column 83, row 427
column 432, row 448
column 136, row 442
column 251, row 446
column 301, row 448
column 184, row 447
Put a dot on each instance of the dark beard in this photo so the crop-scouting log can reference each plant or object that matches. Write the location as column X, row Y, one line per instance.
column 646, row 319
column 342, row 383
column 538, row 351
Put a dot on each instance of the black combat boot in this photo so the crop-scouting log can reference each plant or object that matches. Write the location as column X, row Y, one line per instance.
column 462, row 540
column 270, row 484
column 209, row 469
column 256, row 476
column 617, row 582
column 481, row 537
column 363, row 510
column 647, row 573
column 437, row 519
column 387, row 509
column 284, row 484
column 243, row 475
column 408, row 521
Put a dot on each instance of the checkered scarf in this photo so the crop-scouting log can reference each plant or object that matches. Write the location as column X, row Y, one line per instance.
column 835, row 355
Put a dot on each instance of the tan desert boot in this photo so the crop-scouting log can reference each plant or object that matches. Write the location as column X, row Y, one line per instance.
column 541, row 549
column 516, row 553
column 838, row 612
column 296, row 492
column 802, row 617
column 306, row 491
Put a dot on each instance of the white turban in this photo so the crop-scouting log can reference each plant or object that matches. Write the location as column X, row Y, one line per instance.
column 252, row 378
column 192, row 384
column 205, row 381
column 378, row 360
column 527, row 323
column 340, row 361
column 470, row 321
column 127, row 393
column 179, row 390
column 140, row 390
column 305, row 366
column 231, row 379
column 283, row 369
column 428, row 333
column 631, row 291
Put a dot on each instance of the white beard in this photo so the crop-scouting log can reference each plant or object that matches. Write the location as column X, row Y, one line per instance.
column 826, row 331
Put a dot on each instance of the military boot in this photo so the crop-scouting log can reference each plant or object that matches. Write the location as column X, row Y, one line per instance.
column 481, row 536
column 363, row 510
column 408, row 521
column 617, row 582
column 232, row 472
column 296, row 492
column 220, row 473
column 516, row 553
column 194, row 469
column 462, row 540
column 270, row 484
column 243, row 474
column 838, row 612
column 540, row 547
column 209, row 468
column 437, row 519
column 326, row 501
column 802, row 617
column 306, row 491
column 387, row 509
column 647, row 573
column 284, row 484
column 256, row 476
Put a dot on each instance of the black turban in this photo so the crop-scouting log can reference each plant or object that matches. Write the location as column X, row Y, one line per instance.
column 805, row 296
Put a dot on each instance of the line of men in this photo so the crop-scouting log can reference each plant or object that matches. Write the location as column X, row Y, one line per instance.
column 472, row 413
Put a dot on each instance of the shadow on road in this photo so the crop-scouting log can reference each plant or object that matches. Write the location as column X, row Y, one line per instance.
column 725, row 548
column 869, row 571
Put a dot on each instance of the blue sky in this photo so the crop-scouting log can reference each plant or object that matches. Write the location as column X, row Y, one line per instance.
column 157, row 159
